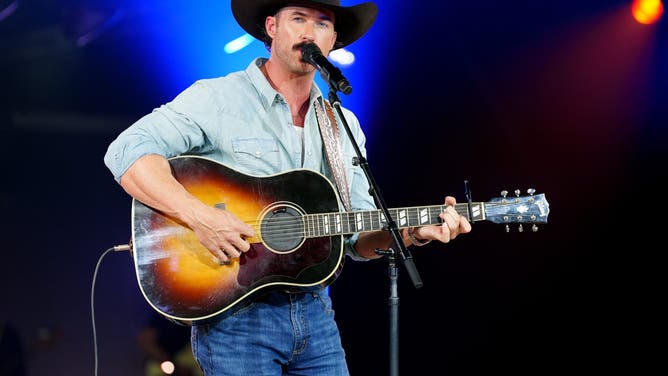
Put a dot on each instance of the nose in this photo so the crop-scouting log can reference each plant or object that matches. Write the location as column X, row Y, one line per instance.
column 307, row 32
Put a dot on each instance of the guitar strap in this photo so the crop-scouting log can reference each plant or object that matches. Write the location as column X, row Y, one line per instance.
column 330, row 138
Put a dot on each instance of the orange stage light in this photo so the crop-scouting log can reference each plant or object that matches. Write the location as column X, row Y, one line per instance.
column 647, row 11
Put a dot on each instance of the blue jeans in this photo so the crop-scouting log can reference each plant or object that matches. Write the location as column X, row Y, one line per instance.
column 280, row 333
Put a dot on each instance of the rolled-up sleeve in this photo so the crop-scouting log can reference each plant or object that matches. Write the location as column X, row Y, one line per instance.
column 168, row 131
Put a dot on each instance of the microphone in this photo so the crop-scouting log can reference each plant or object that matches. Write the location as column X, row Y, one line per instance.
column 332, row 75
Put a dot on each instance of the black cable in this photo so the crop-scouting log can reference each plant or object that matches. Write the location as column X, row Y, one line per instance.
column 116, row 248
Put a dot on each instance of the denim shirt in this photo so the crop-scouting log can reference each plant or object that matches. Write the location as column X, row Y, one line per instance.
column 240, row 121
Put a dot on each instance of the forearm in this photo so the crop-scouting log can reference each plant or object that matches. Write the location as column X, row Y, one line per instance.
column 452, row 224
column 369, row 242
column 149, row 180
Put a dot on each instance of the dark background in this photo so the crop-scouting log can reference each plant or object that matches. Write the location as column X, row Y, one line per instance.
column 564, row 97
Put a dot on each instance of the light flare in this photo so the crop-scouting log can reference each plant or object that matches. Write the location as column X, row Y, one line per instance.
column 647, row 12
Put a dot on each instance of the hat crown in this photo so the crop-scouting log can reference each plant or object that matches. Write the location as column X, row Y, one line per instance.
column 328, row 2
column 351, row 22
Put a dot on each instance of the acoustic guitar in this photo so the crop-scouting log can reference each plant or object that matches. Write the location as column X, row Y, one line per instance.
column 298, row 243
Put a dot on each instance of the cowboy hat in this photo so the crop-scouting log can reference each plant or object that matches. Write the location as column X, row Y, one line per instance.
column 350, row 22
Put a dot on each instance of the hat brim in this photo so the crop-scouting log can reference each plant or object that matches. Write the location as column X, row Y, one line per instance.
column 350, row 22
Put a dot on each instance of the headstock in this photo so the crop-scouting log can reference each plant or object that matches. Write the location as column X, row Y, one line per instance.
column 531, row 208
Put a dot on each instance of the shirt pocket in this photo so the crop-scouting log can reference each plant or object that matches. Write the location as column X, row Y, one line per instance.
column 257, row 155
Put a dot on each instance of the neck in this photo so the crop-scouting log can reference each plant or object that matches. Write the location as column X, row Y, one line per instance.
column 295, row 88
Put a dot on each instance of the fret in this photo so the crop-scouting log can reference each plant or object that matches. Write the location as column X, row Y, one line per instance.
column 351, row 220
column 393, row 216
column 325, row 224
column 359, row 221
column 426, row 215
column 332, row 224
column 477, row 212
column 345, row 223
column 414, row 217
column 321, row 225
column 374, row 220
column 423, row 216
column 314, row 225
column 431, row 215
column 407, row 214
column 434, row 212
column 368, row 220
column 402, row 218
column 410, row 217
column 337, row 218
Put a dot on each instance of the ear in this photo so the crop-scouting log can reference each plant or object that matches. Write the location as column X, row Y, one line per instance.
column 270, row 26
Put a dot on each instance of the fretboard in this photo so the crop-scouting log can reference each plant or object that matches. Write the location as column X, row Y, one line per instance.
column 340, row 223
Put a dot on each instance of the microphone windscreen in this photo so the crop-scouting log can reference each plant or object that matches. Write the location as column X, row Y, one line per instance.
column 310, row 50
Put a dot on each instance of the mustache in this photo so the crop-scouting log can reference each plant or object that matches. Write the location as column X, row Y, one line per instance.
column 299, row 46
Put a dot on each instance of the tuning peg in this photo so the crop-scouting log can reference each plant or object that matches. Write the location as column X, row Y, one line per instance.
column 504, row 193
column 534, row 228
column 531, row 191
column 507, row 229
column 520, row 228
column 517, row 192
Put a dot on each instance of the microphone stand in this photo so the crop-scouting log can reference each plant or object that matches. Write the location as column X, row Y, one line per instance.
column 390, row 253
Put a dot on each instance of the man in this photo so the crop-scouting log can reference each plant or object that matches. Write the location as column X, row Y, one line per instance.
column 262, row 121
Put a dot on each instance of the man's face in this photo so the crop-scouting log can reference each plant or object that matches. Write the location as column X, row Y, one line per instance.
column 292, row 26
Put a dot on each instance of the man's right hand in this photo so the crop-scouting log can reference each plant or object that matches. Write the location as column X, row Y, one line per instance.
column 221, row 232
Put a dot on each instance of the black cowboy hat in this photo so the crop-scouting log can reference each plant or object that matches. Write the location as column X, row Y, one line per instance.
column 350, row 23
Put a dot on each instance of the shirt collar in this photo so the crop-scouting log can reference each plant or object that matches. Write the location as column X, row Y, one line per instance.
column 263, row 87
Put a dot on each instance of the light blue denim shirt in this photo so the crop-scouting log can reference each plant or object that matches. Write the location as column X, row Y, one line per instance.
column 240, row 121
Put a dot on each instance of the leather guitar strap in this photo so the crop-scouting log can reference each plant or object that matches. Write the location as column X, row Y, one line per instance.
column 330, row 137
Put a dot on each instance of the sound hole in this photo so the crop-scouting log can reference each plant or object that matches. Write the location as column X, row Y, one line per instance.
column 282, row 229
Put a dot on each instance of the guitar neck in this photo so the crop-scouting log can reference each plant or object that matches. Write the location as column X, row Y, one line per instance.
column 342, row 223
column 527, row 209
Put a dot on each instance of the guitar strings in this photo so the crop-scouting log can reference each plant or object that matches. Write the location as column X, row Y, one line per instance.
column 350, row 215
column 287, row 228
column 311, row 226
column 296, row 225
